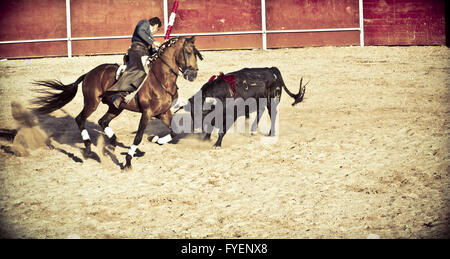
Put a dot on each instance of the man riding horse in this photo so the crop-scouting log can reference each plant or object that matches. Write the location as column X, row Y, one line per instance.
column 141, row 47
column 154, row 99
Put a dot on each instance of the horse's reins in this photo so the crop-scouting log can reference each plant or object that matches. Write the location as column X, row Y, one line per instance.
column 172, row 70
column 181, row 69
column 165, row 88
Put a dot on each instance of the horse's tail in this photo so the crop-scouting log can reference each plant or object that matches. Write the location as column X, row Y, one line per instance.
column 52, row 101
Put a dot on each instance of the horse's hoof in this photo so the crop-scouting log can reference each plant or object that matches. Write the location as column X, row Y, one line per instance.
column 153, row 139
column 91, row 155
column 87, row 153
column 164, row 140
column 112, row 143
column 111, row 148
column 217, row 147
column 139, row 153
column 127, row 166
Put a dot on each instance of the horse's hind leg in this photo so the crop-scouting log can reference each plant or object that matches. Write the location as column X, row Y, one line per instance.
column 112, row 113
column 81, row 121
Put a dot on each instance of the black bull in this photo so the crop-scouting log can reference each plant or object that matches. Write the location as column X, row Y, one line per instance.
column 258, row 83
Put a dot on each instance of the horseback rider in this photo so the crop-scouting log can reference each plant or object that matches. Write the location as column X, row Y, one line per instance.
column 142, row 45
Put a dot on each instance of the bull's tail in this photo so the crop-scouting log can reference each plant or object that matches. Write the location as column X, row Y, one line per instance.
column 297, row 97
column 52, row 101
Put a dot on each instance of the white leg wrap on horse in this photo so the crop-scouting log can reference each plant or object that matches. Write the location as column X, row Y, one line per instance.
column 85, row 135
column 164, row 139
column 155, row 139
column 132, row 150
column 109, row 132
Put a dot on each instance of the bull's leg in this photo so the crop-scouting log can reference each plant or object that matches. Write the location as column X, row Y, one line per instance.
column 146, row 115
column 209, row 129
column 272, row 107
column 259, row 113
column 88, row 109
column 224, row 130
column 112, row 113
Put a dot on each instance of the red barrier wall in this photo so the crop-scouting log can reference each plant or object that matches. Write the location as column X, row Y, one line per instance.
column 31, row 20
column 386, row 22
column 312, row 14
column 203, row 16
column 404, row 22
column 109, row 18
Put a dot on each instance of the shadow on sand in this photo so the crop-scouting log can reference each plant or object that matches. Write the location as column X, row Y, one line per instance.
column 64, row 131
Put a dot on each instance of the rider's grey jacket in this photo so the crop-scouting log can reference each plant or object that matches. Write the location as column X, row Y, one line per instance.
column 142, row 33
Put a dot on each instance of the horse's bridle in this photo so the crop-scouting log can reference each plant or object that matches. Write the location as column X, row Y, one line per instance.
column 181, row 69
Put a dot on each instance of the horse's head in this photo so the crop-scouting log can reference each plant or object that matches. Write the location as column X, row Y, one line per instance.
column 187, row 59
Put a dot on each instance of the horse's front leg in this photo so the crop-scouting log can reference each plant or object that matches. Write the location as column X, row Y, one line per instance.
column 145, row 118
column 166, row 118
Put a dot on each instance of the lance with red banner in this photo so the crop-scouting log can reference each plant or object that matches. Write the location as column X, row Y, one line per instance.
column 171, row 20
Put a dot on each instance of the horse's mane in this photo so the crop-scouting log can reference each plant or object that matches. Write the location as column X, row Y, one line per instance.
column 162, row 48
column 168, row 44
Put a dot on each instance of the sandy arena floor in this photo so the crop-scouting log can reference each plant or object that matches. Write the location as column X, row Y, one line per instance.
column 366, row 152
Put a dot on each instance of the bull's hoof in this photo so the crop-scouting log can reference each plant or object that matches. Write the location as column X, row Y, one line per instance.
column 207, row 137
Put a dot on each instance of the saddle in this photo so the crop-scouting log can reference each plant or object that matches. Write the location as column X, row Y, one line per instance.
column 131, row 84
column 147, row 62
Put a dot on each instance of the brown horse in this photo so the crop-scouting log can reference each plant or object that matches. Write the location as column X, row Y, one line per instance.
column 153, row 99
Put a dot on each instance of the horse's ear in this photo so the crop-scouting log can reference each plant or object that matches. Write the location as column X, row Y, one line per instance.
column 197, row 53
column 192, row 39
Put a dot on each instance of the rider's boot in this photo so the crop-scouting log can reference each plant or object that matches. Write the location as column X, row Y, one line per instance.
column 117, row 99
